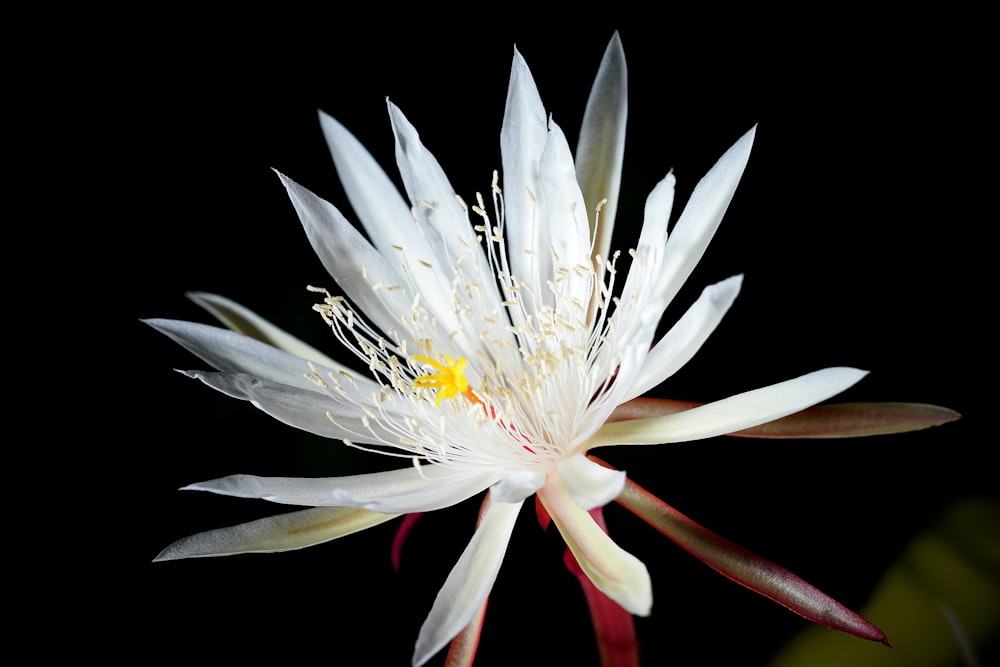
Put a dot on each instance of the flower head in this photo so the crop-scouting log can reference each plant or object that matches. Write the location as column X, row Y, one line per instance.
column 498, row 340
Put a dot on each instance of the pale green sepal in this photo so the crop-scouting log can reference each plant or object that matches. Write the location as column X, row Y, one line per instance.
column 284, row 532
column 601, row 147
column 242, row 320
column 616, row 573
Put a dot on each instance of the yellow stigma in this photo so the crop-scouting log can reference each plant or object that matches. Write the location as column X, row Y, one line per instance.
column 451, row 380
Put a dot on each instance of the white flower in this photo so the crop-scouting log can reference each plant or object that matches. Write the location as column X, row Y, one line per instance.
column 496, row 350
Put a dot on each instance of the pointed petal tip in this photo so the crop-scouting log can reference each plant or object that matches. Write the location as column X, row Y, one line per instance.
column 162, row 557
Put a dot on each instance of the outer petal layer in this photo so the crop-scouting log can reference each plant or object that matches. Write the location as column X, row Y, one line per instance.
column 731, row 414
column 235, row 353
column 396, row 491
column 470, row 581
column 243, row 320
column 833, row 420
column 601, row 149
column 616, row 573
column 283, row 532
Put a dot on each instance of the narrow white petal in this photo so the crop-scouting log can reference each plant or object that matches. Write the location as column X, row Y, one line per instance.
column 302, row 408
column 601, row 148
column 284, row 532
column 401, row 491
column 569, row 227
column 522, row 139
column 590, row 484
column 447, row 229
column 656, row 214
column 379, row 206
column 469, row 582
column 387, row 219
column 615, row 572
column 686, row 337
column 243, row 320
column 701, row 217
column 636, row 321
column 350, row 259
column 235, row 353
column 731, row 414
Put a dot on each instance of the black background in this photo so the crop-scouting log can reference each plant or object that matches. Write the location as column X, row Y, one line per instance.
column 861, row 225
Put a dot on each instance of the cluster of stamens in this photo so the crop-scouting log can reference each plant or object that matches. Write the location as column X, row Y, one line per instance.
column 523, row 357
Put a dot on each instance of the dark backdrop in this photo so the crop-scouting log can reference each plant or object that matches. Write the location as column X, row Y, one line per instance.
column 857, row 225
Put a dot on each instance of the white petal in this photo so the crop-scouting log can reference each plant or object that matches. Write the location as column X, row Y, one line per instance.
column 448, row 232
column 243, row 320
column 382, row 211
column 516, row 485
column 731, row 414
column 601, row 148
column 469, row 582
column 522, row 138
column 566, row 217
column 350, row 259
column 387, row 219
column 615, row 572
column 590, row 484
column 701, row 217
column 636, row 321
column 235, row 353
column 284, row 532
column 302, row 408
column 686, row 337
column 639, row 291
column 401, row 491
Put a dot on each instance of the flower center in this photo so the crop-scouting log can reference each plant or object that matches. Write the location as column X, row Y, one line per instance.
column 450, row 381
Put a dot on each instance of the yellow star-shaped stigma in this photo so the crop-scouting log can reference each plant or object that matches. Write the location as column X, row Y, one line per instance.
column 451, row 380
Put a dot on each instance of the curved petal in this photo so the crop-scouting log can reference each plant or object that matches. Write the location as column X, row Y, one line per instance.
column 309, row 410
column 731, row 414
column 686, row 337
column 522, row 139
column 832, row 420
column 701, row 217
column 649, row 252
column 616, row 573
column 386, row 218
column 436, row 205
column 469, row 582
column 380, row 207
column 235, row 353
column 364, row 275
column 614, row 628
column 516, row 485
column 635, row 320
column 601, row 148
column 284, row 532
column 243, row 320
column 567, row 219
column 417, row 489
column 589, row 484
